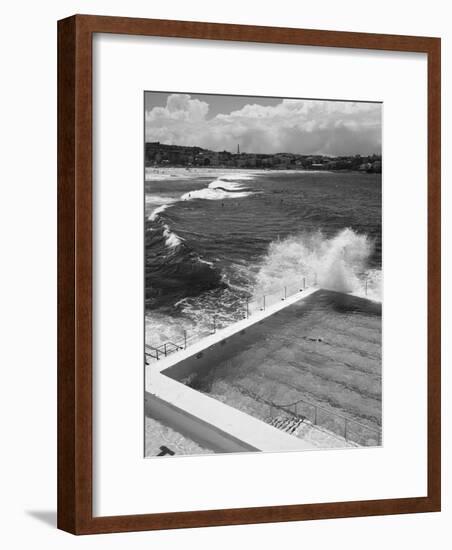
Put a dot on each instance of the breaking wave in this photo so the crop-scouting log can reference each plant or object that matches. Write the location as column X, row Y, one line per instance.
column 235, row 177
column 155, row 213
column 339, row 263
column 216, row 194
column 155, row 200
column 225, row 187
column 172, row 240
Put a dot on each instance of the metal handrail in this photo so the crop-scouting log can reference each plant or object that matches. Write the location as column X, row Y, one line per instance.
column 315, row 423
column 318, row 407
column 166, row 348
column 261, row 303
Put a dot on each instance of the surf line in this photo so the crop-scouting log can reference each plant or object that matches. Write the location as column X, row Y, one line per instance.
column 214, row 191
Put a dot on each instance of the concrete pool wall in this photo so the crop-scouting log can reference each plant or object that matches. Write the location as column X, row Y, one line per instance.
column 213, row 424
column 200, row 363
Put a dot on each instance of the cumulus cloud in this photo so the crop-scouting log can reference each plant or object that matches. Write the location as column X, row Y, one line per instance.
column 293, row 125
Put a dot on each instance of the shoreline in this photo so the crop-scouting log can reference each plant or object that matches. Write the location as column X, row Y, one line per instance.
column 154, row 173
column 178, row 172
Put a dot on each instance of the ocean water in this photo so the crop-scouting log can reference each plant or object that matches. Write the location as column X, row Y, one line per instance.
column 215, row 240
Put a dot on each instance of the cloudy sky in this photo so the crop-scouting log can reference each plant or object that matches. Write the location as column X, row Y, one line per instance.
column 263, row 125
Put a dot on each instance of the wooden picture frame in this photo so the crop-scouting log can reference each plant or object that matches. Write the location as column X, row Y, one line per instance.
column 75, row 225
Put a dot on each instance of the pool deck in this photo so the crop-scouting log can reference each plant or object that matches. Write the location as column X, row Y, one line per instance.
column 296, row 349
column 206, row 420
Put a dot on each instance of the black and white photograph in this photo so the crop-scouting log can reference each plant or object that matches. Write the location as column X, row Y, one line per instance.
column 226, row 223
column 263, row 274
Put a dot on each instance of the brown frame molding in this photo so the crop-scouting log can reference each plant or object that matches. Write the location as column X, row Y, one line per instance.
column 75, row 273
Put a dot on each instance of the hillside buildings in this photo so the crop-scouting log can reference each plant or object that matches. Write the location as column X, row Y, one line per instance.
column 160, row 154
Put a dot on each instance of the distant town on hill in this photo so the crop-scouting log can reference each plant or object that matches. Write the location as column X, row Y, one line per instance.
column 160, row 154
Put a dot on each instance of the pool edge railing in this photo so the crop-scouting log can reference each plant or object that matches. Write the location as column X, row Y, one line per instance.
column 286, row 407
column 261, row 304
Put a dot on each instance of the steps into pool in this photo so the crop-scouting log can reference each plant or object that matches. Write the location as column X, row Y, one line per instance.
column 286, row 424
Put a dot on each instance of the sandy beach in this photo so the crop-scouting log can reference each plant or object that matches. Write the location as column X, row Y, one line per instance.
column 174, row 173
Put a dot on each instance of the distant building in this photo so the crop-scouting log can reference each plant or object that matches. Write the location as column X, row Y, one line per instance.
column 376, row 167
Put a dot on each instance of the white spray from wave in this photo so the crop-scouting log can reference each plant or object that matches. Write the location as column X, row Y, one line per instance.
column 338, row 263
